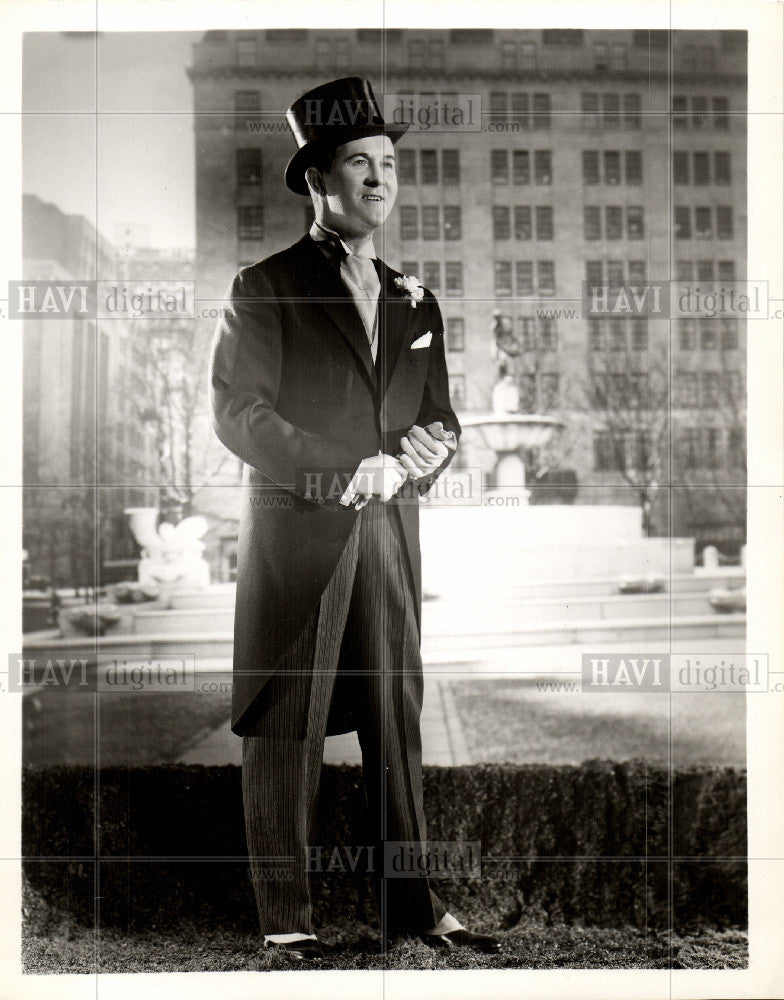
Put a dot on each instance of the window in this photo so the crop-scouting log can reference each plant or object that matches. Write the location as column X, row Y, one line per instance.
column 684, row 270
column 524, row 278
column 520, row 108
column 620, row 56
column 499, row 166
column 248, row 166
column 613, row 222
column 686, row 384
column 721, row 118
column 638, row 273
column 541, row 118
column 708, row 334
column 594, row 273
column 639, row 334
column 590, row 166
column 450, row 166
column 499, row 102
column 632, row 105
column 428, row 166
column 545, row 271
column 722, row 173
column 509, row 54
column 635, row 222
column 711, row 446
column 612, row 167
column 453, row 229
column 411, row 267
column 701, row 168
column 633, row 162
column 595, row 335
column 250, row 222
column 548, row 335
column 247, row 100
column 724, row 224
column 736, row 448
column 550, row 389
column 682, row 224
column 680, row 167
column 699, row 109
column 726, row 270
column 431, row 229
column 431, row 275
column 528, row 393
column 454, row 278
column 409, row 224
column 611, row 106
column 416, row 54
column 617, row 332
column 526, row 336
column 528, row 55
column 686, row 336
column 680, row 119
column 589, row 104
column 523, row 227
column 563, row 36
column 246, row 51
column 521, row 167
column 614, row 274
column 457, row 390
column 406, row 166
column 455, row 334
column 710, row 388
column 503, row 277
column 544, row 222
column 689, row 440
column 703, row 223
column 543, row 171
column 501, row 227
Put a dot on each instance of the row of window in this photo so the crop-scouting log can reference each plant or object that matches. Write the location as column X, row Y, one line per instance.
column 516, row 166
column 613, row 222
column 528, row 110
column 705, row 270
column 426, row 166
column 695, row 448
column 524, row 222
column 524, row 278
column 614, row 334
column 708, row 388
column 611, row 166
column 700, row 112
column 701, row 168
column 708, row 334
column 437, row 276
column 437, row 222
column 704, row 222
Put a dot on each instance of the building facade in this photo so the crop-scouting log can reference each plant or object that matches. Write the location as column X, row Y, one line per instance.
column 598, row 158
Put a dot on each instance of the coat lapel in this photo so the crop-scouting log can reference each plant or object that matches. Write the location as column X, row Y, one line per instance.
column 395, row 318
column 329, row 293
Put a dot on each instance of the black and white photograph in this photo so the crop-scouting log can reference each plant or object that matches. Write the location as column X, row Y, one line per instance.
column 394, row 475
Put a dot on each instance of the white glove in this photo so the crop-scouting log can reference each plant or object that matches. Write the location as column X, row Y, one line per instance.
column 378, row 476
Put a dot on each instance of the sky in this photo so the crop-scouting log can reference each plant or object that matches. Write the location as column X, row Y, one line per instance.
column 108, row 131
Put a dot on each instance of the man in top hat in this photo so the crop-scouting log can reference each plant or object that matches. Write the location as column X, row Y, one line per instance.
column 328, row 379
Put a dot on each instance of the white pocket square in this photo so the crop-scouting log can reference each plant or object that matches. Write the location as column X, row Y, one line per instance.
column 423, row 341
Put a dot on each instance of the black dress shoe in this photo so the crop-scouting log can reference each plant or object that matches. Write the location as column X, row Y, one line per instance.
column 306, row 950
column 461, row 938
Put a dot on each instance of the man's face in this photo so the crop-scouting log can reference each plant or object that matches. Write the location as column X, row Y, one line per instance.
column 361, row 186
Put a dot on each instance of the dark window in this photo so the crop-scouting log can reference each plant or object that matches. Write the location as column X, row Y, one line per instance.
column 686, row 335
column 726, row 270
column 520, row 108
column 680, row 167
column 406, row 166
column 431, row 229
column 722, row 173
column 523, row 227
column 690, row 447
column 409, row 223
column 632, row 105
column 543, row 170
column 617, row 331
column 454, row 278
column 499, row 102
column 502, row 277
column 612, row 167
column 545, row 277
column 684, row 270
column 455, row 334
column 721, row 118
column 638, row 272
column 724, row 225
column 613, row 222
column 680, row 120
column 594, row 273
column 710, row 388
column 521, row 167
column 528, row 393
column 639, row 334
column 431, row 275
column 410, row 267
column 428, row 166
column 450, row 166
column 524, row 278
column 704, row 270
column 635, row 222
column 249, row 166
column 250, row 222
column 633, row 161
column 699, row 112
column 526, row 335
column 499, row 166
column 563, row 36
column 615, row 274
column 708, row 334
column 589, row 105
column 592, row 222
column 453, row 229
column 501, row 227
column 611, row 106
column 701, row 168
column 548, row 335
column 703, row 223
column 590, row 166
column 682, row 224
column 687, row 389
column 541, row 117
column 247, row 100
column 595, row 335
column 544, row 222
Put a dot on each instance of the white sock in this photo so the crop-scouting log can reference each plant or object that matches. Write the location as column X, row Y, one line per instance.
column 446, row 924
column 288, row 938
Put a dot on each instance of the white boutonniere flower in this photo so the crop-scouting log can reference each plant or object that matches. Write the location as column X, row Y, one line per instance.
column 411, row 288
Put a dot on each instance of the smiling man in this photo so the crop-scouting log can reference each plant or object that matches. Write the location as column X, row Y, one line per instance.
column 328, row 367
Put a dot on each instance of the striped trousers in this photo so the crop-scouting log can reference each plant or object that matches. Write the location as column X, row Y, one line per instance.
column 365, row 622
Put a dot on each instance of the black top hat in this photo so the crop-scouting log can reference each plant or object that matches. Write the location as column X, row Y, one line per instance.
column 328, row 117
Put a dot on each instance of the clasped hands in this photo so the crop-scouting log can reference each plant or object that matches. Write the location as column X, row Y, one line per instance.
column 423, row 450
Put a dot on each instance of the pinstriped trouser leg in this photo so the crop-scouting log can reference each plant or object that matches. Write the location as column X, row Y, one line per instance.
column 369, row 605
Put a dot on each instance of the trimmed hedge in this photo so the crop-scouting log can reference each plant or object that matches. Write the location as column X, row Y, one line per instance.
column 586, row 844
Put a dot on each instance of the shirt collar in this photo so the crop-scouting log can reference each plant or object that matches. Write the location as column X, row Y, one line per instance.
column 329, row 238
